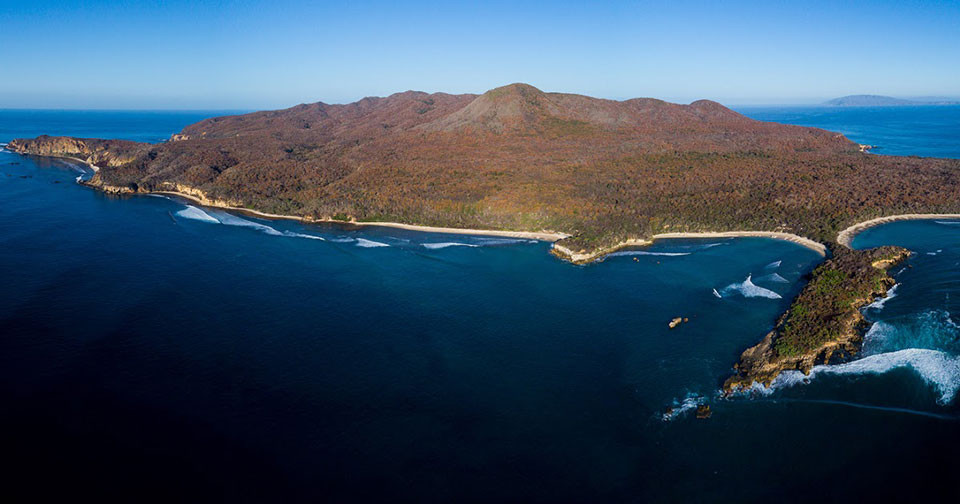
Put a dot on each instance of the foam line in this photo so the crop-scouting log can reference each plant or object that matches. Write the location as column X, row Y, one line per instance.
column 748, row 289
column 878, row 304
column 434, row 246
column 773, row 277
column 192, row 212
column 892, row 409
column 680, row 408
column 363, row 242
column 936, row 368
column 647, row 253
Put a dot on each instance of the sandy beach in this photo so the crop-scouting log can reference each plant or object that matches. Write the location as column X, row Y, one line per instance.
column 846, row 236
column 548, row 236
column 591, row 256
column 799, row 240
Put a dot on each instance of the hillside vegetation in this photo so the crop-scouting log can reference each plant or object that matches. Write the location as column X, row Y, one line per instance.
column 517, row 158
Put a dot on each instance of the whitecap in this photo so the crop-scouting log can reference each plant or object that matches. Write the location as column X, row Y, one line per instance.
column 878, row 304
column 489, row 242
column 948, row 223
column 302, row 235
column 715, row 293
column 441, row 245
column 773, row 277
column 934, row 367
column 679, row 408
column 773, row 265
column 363, row 242
column 748, row 289
column 192, row 212
column 233, row 220
column 647, row 253
column 711, row 245
column 877, row 338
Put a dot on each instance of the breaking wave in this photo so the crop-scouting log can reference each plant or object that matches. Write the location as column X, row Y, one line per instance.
column 878, row 304
column 773, row 277
column 647, row 253
column 710, row 245
column 363, row 242
column 681, row 407
column 936, row 368
column 491, row 242
column 773, row 265
column 949, row 223
column 192, row 212
column 434, row 246
column 748, row 289
column 925, row 343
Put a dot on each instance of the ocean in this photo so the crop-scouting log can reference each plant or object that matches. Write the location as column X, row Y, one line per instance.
column 152, row 349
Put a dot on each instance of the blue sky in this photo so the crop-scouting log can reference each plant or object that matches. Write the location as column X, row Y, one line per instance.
column 215, row 54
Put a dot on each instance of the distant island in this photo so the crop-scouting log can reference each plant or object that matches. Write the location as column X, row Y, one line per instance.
column 592, row 174
column 882, row 101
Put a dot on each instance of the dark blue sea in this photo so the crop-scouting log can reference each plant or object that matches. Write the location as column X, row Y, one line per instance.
column 925, row 130
column 155, row 350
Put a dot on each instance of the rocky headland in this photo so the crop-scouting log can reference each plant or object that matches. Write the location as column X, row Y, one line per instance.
column 824, row 324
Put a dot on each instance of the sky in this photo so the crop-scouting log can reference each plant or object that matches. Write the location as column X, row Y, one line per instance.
column 255, row 54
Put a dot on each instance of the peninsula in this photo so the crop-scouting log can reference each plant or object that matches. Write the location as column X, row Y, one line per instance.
column 592, row 174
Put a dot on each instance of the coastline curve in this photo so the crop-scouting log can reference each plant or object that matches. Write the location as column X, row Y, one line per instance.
column 846, row 236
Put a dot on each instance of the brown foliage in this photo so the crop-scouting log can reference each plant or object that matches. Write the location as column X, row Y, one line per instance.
column 518, row 158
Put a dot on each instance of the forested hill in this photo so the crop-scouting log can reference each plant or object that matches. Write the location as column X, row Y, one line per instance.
column 518, row 158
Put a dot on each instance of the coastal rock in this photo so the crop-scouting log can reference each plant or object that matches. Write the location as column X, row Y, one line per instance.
column 704, row 412
column 604, row 173
column 675, row 322
column 824, row 324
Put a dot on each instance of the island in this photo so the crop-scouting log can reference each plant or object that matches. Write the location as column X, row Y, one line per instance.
column 591, row 175
column 883, row 101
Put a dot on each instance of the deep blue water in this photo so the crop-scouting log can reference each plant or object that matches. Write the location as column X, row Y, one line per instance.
column 931, row 131
column 150, row 349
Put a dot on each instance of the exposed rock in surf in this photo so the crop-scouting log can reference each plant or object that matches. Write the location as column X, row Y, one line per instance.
column 704, row 412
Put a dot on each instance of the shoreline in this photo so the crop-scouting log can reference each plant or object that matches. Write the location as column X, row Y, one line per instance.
column 546, row 236
column 814, row 245
column 846, row 236
column 586, row 257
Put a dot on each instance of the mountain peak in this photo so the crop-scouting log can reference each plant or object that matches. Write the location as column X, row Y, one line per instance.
column 510, row 107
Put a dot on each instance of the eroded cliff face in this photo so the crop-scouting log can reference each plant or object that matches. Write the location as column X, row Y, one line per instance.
column 94, row 152
column 824, row 324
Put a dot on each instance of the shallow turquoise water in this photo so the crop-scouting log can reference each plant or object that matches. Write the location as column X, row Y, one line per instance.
column 148, row 343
